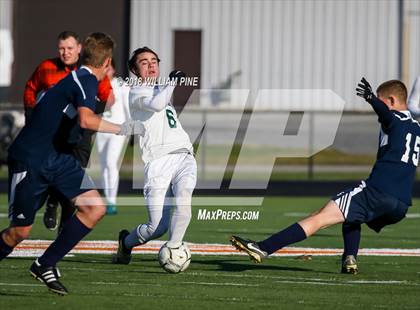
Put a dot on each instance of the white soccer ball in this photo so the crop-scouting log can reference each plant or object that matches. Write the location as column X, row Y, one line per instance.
column 174, row 260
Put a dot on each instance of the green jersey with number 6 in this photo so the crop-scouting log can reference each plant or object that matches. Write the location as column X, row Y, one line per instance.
column 163, row 131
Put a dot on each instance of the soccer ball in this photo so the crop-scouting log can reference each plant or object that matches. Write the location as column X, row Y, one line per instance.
column 174, row 260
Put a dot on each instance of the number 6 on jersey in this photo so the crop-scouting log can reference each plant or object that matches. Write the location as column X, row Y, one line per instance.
column 171, row 118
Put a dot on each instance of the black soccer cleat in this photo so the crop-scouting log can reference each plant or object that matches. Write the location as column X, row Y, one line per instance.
column 123, row 255
column 250, row 247
column 50, row 215
column 49, row 276
column 349, row 265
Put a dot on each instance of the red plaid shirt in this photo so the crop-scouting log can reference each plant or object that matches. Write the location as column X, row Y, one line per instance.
column 49, row 73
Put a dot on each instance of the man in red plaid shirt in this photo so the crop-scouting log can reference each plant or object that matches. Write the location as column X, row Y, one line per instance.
column 51, row 71
column 45, row 76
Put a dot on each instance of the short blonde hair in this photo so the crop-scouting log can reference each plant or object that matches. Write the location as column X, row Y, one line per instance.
column 393, row 87
column 97, row 47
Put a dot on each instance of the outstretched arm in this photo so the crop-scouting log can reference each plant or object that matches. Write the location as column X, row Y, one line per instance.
column 364, row 90
column 158, row 102
column 89, row 120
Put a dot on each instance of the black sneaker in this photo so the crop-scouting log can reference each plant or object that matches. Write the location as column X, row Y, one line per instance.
column 250, row 247
column 50, row 215
column 123, row 255
column 49, row 276
column 349, row 265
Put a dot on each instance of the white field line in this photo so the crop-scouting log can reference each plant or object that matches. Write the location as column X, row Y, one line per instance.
column 32, row 248
column 296, row 280
column 182, row 282
column 312, row 283
column 19, row 284
column 376, row 282
column 327, row 282
column 306, row 279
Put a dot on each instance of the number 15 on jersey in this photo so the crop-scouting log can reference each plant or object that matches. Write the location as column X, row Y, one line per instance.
column 415, row 152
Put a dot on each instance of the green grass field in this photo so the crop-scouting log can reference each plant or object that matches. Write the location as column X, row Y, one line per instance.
column 226, row 282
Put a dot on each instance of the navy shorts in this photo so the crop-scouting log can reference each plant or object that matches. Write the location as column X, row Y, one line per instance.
column 29, row 183
column 366, row 204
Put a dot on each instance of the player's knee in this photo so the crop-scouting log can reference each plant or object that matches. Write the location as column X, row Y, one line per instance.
column 185, row 192
column 97, row 212
column 15, row 235
column 94, row 213
column 23, row 233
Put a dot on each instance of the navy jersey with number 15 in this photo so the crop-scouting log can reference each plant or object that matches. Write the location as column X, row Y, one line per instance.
column 398, row 153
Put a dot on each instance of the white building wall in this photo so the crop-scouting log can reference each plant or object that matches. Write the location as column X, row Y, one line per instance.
column 6, row 13
column 284, row 44
column 412, row 45
column 6, row 43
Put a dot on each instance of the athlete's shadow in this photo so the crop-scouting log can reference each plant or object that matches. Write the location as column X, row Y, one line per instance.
column 234, row 265
column 238, row 266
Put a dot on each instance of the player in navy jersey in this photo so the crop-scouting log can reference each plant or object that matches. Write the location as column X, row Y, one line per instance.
column 41, row 157
column 381, row 200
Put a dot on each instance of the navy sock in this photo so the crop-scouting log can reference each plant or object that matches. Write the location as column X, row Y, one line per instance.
column 5, row 249
column 351, row 236
column 73, row 231
column 291, row 234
